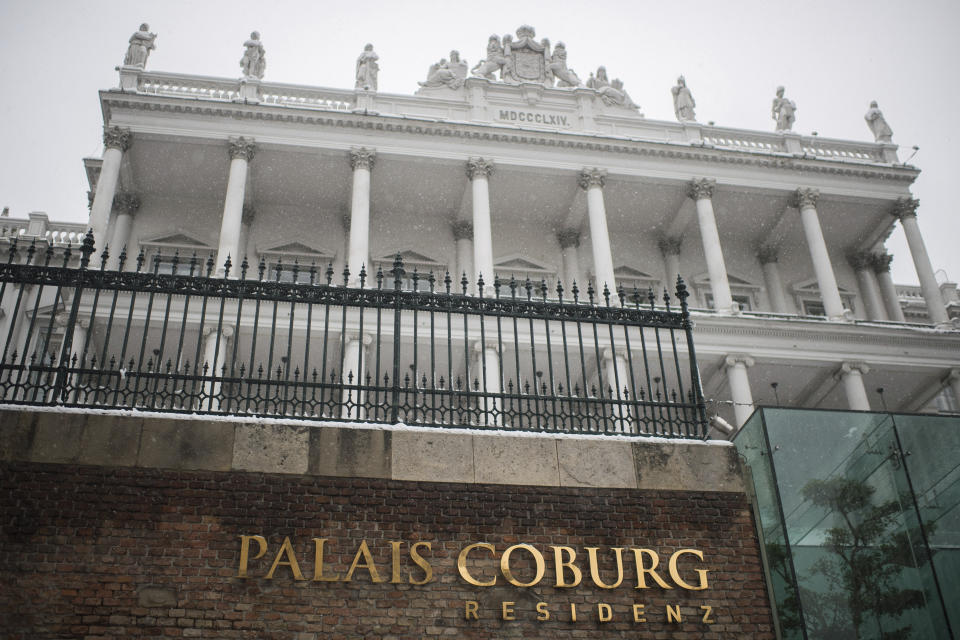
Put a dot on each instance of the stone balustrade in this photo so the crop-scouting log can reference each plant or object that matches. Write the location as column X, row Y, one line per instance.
column 38, row 227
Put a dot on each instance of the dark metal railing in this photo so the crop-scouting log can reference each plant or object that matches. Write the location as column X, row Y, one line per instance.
column 516, row 356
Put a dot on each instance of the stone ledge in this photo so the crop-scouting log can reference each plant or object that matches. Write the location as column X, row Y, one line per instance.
column 165, row 441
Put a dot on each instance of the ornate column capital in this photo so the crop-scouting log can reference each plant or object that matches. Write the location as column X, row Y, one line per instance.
column 226, row 331
column 670, row 246
column 861, row 260
column 904, row 207
column 854, row 366
column 701, row 188
column 462, row 230
column 568, row 238
column 126, row 202
column 117, row 138
column 733, row 359
column 881, row 262
column 242, row 148
column 362, row 158
column 592, row 177
column 479, row 167
column 767, row 254
column 248, row 214
column 805, row 198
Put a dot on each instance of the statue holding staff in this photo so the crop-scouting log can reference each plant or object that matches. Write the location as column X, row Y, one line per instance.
column 141, row 44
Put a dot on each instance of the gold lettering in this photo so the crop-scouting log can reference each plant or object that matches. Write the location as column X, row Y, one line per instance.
column 507, row 610
column 573, row 612
column 595, row 570
column 560, row 565
column 421, row 562
column 604, row 612
column 505, row 565
column 462, row 564
column 642, row 571
column 318, row 562
column 543, row 614
column 707, row 609
column 286, row 549
column 638, row 613
column 673, row 613
column 470, row 610
column 364, row 552
column 676, row 576
column 245, row 552
column 395, row 561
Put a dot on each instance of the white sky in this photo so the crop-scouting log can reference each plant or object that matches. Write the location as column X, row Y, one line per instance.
column 832, row 56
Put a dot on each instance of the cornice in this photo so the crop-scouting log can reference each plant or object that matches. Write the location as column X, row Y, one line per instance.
column 594, row 142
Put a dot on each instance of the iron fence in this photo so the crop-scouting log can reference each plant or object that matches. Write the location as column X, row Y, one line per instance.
column 393, row 347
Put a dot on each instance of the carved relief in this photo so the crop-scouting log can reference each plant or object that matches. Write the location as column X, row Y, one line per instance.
column 592, row 178
column 117, row 138
column 242, row 148
column 447, row 74
column 362, row 158
column 806, row 198
column 905, row 207
column 569, row 238
column 701, row 188
column 479, row 167
column 126, row 202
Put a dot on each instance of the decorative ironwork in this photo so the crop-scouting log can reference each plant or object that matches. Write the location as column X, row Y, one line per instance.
column 401, row 347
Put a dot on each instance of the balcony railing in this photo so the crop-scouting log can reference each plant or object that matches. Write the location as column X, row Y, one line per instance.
column 248, row 344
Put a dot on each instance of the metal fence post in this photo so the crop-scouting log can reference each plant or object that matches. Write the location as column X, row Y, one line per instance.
column 60, row 386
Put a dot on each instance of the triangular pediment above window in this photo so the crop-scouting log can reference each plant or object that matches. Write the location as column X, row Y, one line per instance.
column 520, row 263
column 811, row 286
column 410, row 257
column 623, row 271
column 294, row 248
column 733, row 279
column 176, row 240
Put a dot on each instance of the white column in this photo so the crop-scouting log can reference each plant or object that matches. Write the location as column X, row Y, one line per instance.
column 701, row 190
column 888, row 290
column 241, row 152
column 592, row 181
column 954, row 380
column 215, row 349
column 670, row 248
column 806, row 202
column 126, row 205
column 906, row 210
column 851, row 373
column 488, row 371
column 358, row 256
column 768, row 257
column 862, row 263
column 116, row 141
column 353, row 374
column 616, row 385
column 739, row 381
column 463, row 237
column 569, row 240
column 479, row 171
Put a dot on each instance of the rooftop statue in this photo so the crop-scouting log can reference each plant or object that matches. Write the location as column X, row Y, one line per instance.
column 683, row 102
column 878, row 124
column 447, row 74
column 558, row 68
column 367, row 69
column 141, row 43
column 783, row 111
column 493, row 62
column 254, row 60
column 611, row 93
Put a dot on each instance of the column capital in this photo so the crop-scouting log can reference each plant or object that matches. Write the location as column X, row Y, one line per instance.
column 592, row 177
column 767, row 254
column 479, row 167
column 701, row 188
column 248, row 214
column 117, row 138
column 568, row 238
column 733, row 359
column 670, row 246
column 362, row 158
column 904, row 208
column 881, row 262
column 241, row 147
column 861, row 260
column 805, row 198
column 226, row 331
column 462, row 230
column 854, row 366
column 353, row 336
column 126, row 202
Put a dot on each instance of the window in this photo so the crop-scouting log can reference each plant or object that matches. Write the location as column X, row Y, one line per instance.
column 744, row 301
column 742, row 291
column 160, row 254
column 281, row 260
column 521, row 268
column 807, row 294
column 424, row 267
column 635, row 280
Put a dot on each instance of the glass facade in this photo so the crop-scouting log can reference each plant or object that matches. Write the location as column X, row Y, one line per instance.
column 860, row 518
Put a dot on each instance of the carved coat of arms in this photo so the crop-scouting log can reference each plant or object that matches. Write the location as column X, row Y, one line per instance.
column 526, row 59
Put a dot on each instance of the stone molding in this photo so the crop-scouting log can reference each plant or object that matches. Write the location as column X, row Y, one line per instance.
column 592, row 177
column 701, row 188
column 462, row 230
column 805, row 198
column 117, row 138
column 479, row 167
column 904, row 208
column 881, row 262
column 490, row 132
column 241, row 147
column 362, row 158
column 569, row 238
column 767, row 254
column 126, row 202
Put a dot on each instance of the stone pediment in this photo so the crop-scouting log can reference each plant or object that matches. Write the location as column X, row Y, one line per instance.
column 623, row 271
column 176, row 240
column 294, row 248
column 733, row 279
column 411, row 257
column 520, row 263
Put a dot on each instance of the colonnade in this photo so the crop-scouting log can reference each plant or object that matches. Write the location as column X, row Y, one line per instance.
column 474, row 248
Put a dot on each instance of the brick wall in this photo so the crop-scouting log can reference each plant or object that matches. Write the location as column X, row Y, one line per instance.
column 90, row 552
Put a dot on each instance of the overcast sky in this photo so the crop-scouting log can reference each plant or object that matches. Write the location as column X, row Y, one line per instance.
column 834, row 57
